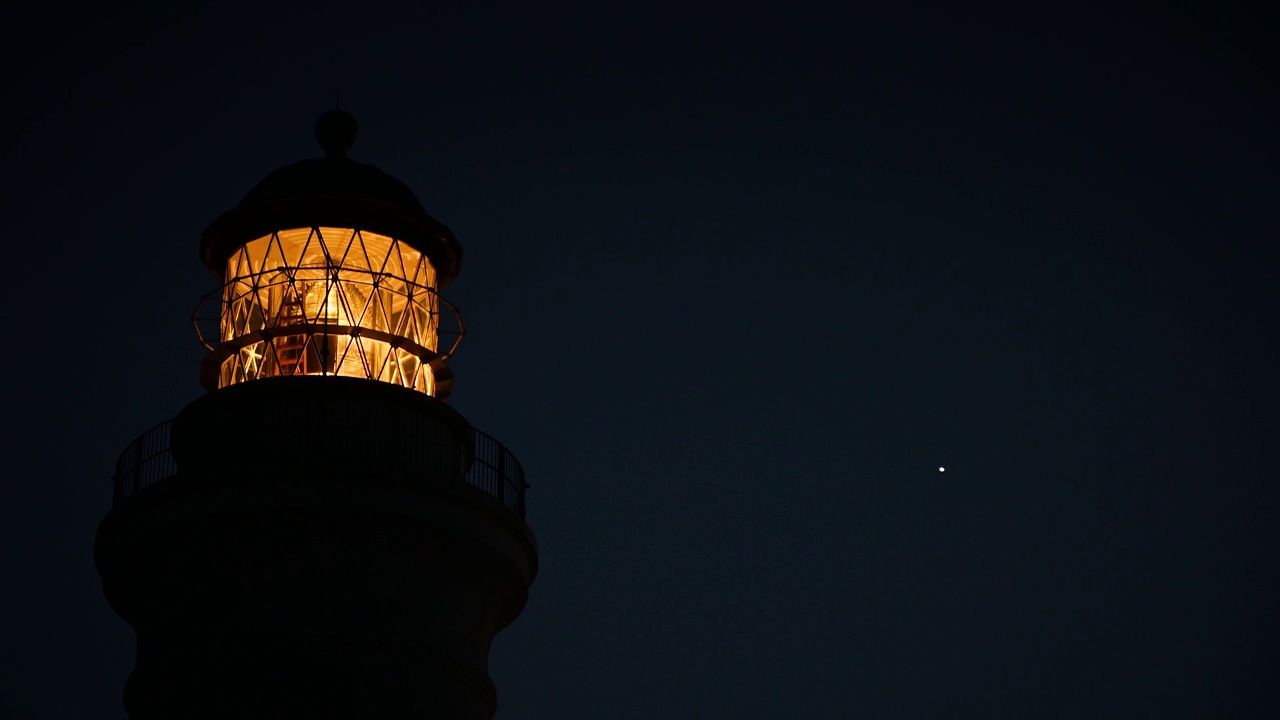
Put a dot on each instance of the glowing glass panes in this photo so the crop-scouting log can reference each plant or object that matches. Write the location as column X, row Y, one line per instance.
column 330, row 301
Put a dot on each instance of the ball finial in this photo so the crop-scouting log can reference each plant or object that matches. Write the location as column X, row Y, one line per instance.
column 336, row 132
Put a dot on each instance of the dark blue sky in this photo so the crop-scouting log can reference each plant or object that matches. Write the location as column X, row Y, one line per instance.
column 736, row 284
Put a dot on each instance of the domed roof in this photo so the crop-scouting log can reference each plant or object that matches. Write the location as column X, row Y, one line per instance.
column 337, row 177
column 334, row 175
column 332, row 191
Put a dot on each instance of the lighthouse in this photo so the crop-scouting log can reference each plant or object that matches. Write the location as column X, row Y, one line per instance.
column 319, row 535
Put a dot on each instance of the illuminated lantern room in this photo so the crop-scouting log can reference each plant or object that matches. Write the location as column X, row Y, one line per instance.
column 340, row 543
column 330, row 267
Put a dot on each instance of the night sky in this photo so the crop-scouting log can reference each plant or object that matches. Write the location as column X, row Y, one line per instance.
column 736, row 284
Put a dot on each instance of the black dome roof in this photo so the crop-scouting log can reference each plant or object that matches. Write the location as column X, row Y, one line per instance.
column 336, row 177
column 332, row 191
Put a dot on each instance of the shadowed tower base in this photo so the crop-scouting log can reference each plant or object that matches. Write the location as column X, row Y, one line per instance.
column 333, row 563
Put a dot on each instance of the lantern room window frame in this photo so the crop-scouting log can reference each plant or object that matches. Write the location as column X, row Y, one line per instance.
column 328, row 301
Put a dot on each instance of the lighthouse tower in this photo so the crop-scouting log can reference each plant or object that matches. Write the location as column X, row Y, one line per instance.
column 319, row 535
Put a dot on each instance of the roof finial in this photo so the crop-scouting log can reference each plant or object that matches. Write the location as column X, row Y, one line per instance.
column 336, row 132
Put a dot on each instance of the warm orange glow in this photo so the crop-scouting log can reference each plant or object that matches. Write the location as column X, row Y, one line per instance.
column 365, row 305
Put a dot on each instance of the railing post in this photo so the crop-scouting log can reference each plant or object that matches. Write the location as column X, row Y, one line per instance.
column 136, row 471
column 502, row 474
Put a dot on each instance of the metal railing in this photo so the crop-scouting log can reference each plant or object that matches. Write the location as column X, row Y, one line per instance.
column 145, row 462
column 496, row 471
column 148, row 460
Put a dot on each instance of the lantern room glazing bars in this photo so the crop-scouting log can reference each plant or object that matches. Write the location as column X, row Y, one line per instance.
column 329, row 301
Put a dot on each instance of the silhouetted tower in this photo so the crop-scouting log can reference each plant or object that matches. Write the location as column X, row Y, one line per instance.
column 319, row 536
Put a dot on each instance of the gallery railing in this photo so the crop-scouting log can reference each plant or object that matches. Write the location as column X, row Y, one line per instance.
column 148, row 461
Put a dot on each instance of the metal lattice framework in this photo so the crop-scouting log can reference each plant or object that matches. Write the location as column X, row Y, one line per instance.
column 328, row 301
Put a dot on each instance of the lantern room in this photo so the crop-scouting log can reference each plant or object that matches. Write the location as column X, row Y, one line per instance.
column 330, row 267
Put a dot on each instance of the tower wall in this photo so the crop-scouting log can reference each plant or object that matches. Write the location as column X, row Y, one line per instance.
column 317, row 554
